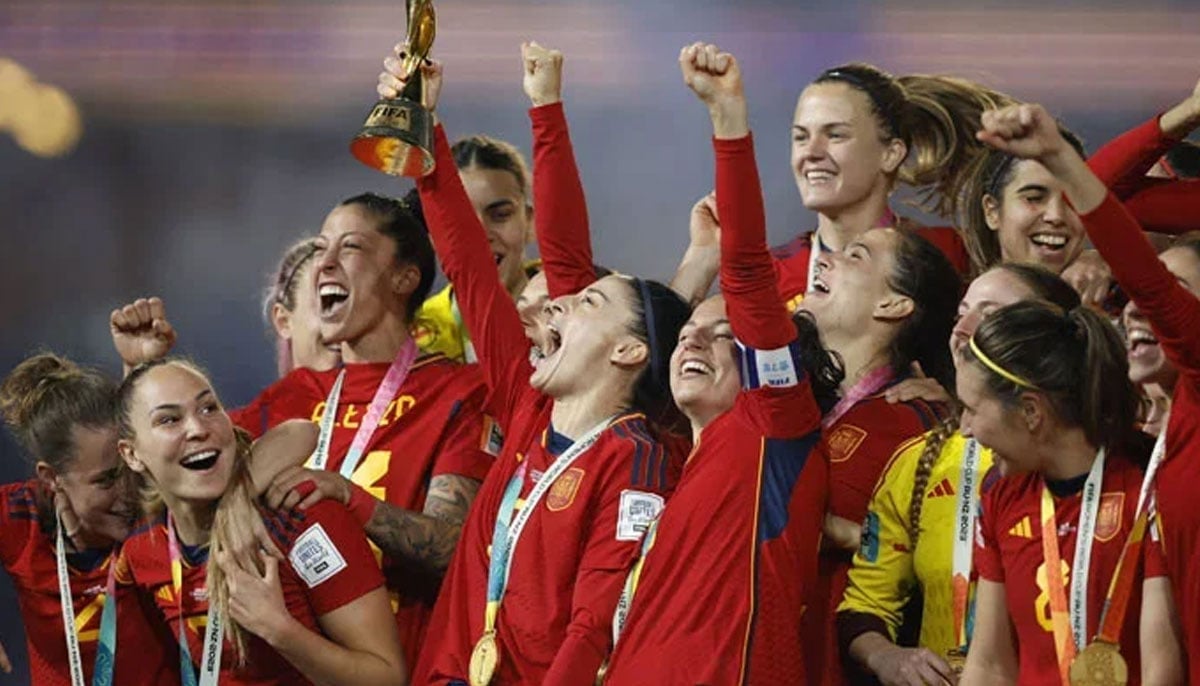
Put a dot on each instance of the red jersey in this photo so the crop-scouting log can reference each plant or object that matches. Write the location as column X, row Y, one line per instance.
column 329, row 566
column 734, row 559
column 1009, row 551
column 1174, row 314
column 145, row 652
column 433, row 426
column 568, row 567
column 860, row 445
column 792, row 260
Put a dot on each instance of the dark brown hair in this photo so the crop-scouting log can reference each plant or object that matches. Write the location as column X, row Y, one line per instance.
column 925, row 275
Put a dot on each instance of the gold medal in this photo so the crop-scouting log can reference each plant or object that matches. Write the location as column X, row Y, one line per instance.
column 485, row 657
column 1099, row 664
column 957, row 659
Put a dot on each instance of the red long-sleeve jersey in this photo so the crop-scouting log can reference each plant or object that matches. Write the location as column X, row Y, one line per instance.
column 1160, row 205
column 145, row 652
column 434, row 426
column 1174, row 314
column 1008, row 551
column 721, row 593
column 568, row 567
column 564, row 239
column 329, row 565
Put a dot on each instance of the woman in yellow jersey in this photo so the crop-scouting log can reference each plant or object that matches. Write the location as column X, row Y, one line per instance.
column 910, row 538
column 497, row 180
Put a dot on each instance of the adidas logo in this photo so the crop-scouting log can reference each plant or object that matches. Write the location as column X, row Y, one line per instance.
column 1023, row 528
column 944, row 488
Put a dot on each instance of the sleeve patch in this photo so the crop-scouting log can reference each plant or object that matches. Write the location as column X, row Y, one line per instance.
column 869, row 545
column 315, row 558
column 779, row 367
column 638, row 510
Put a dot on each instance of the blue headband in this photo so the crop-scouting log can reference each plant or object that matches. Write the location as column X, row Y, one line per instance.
column 651, row 334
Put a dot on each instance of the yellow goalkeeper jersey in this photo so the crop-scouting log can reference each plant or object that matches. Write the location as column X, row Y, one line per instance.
column 438, row 328
column 887, row 570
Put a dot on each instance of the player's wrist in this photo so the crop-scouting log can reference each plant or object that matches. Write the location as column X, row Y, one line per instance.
column 360, row 503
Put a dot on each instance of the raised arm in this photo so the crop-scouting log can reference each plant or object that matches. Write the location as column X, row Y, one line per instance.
column 1028, row 131
column 560, row 208
column 462, row 247
column 1122, row 163
column 746, row 269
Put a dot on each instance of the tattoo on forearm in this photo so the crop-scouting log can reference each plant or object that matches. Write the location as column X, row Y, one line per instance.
column 429, row 537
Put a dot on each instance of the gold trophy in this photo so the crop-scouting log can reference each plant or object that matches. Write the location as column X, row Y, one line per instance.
column 397, row 137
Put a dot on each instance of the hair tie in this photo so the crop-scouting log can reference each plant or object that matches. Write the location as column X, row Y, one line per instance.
column 992, row 365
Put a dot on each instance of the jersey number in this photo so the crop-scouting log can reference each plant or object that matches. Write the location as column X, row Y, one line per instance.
column 1042, row 604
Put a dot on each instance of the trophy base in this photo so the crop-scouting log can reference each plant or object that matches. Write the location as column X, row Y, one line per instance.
column 396, row 139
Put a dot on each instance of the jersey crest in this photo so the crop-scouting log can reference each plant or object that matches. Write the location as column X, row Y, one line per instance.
column 562, row 493
column 1109, row 515
column 843, row 441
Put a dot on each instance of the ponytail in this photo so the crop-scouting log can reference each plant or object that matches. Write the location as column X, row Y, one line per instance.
column 941, row 116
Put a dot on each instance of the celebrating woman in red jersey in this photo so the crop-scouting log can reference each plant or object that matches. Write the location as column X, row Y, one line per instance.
column 321, row 616
column 1174, row 314
column 403, row 436
column 1048, row 392
column 857, row 132
column 530, row 595
column 884, row 302
column 743, row 528
column 292, row 309
column 64, row 416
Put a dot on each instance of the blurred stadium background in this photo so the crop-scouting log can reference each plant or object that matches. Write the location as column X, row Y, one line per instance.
column 215, row 133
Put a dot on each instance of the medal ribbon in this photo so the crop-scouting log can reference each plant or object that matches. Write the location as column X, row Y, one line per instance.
column 1070, row 622
column 210, row 668
column 392, row 381
column 508, row 528
column 631, row 582
column 868, row 386
column 966, row 509
column 106, row 647
column 1116, row 601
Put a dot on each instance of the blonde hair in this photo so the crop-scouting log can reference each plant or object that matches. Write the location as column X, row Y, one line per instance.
column 240, row 489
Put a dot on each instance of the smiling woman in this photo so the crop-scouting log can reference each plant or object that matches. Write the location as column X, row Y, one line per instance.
column 64, row 416
column 285, row 624
column 576, row 435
